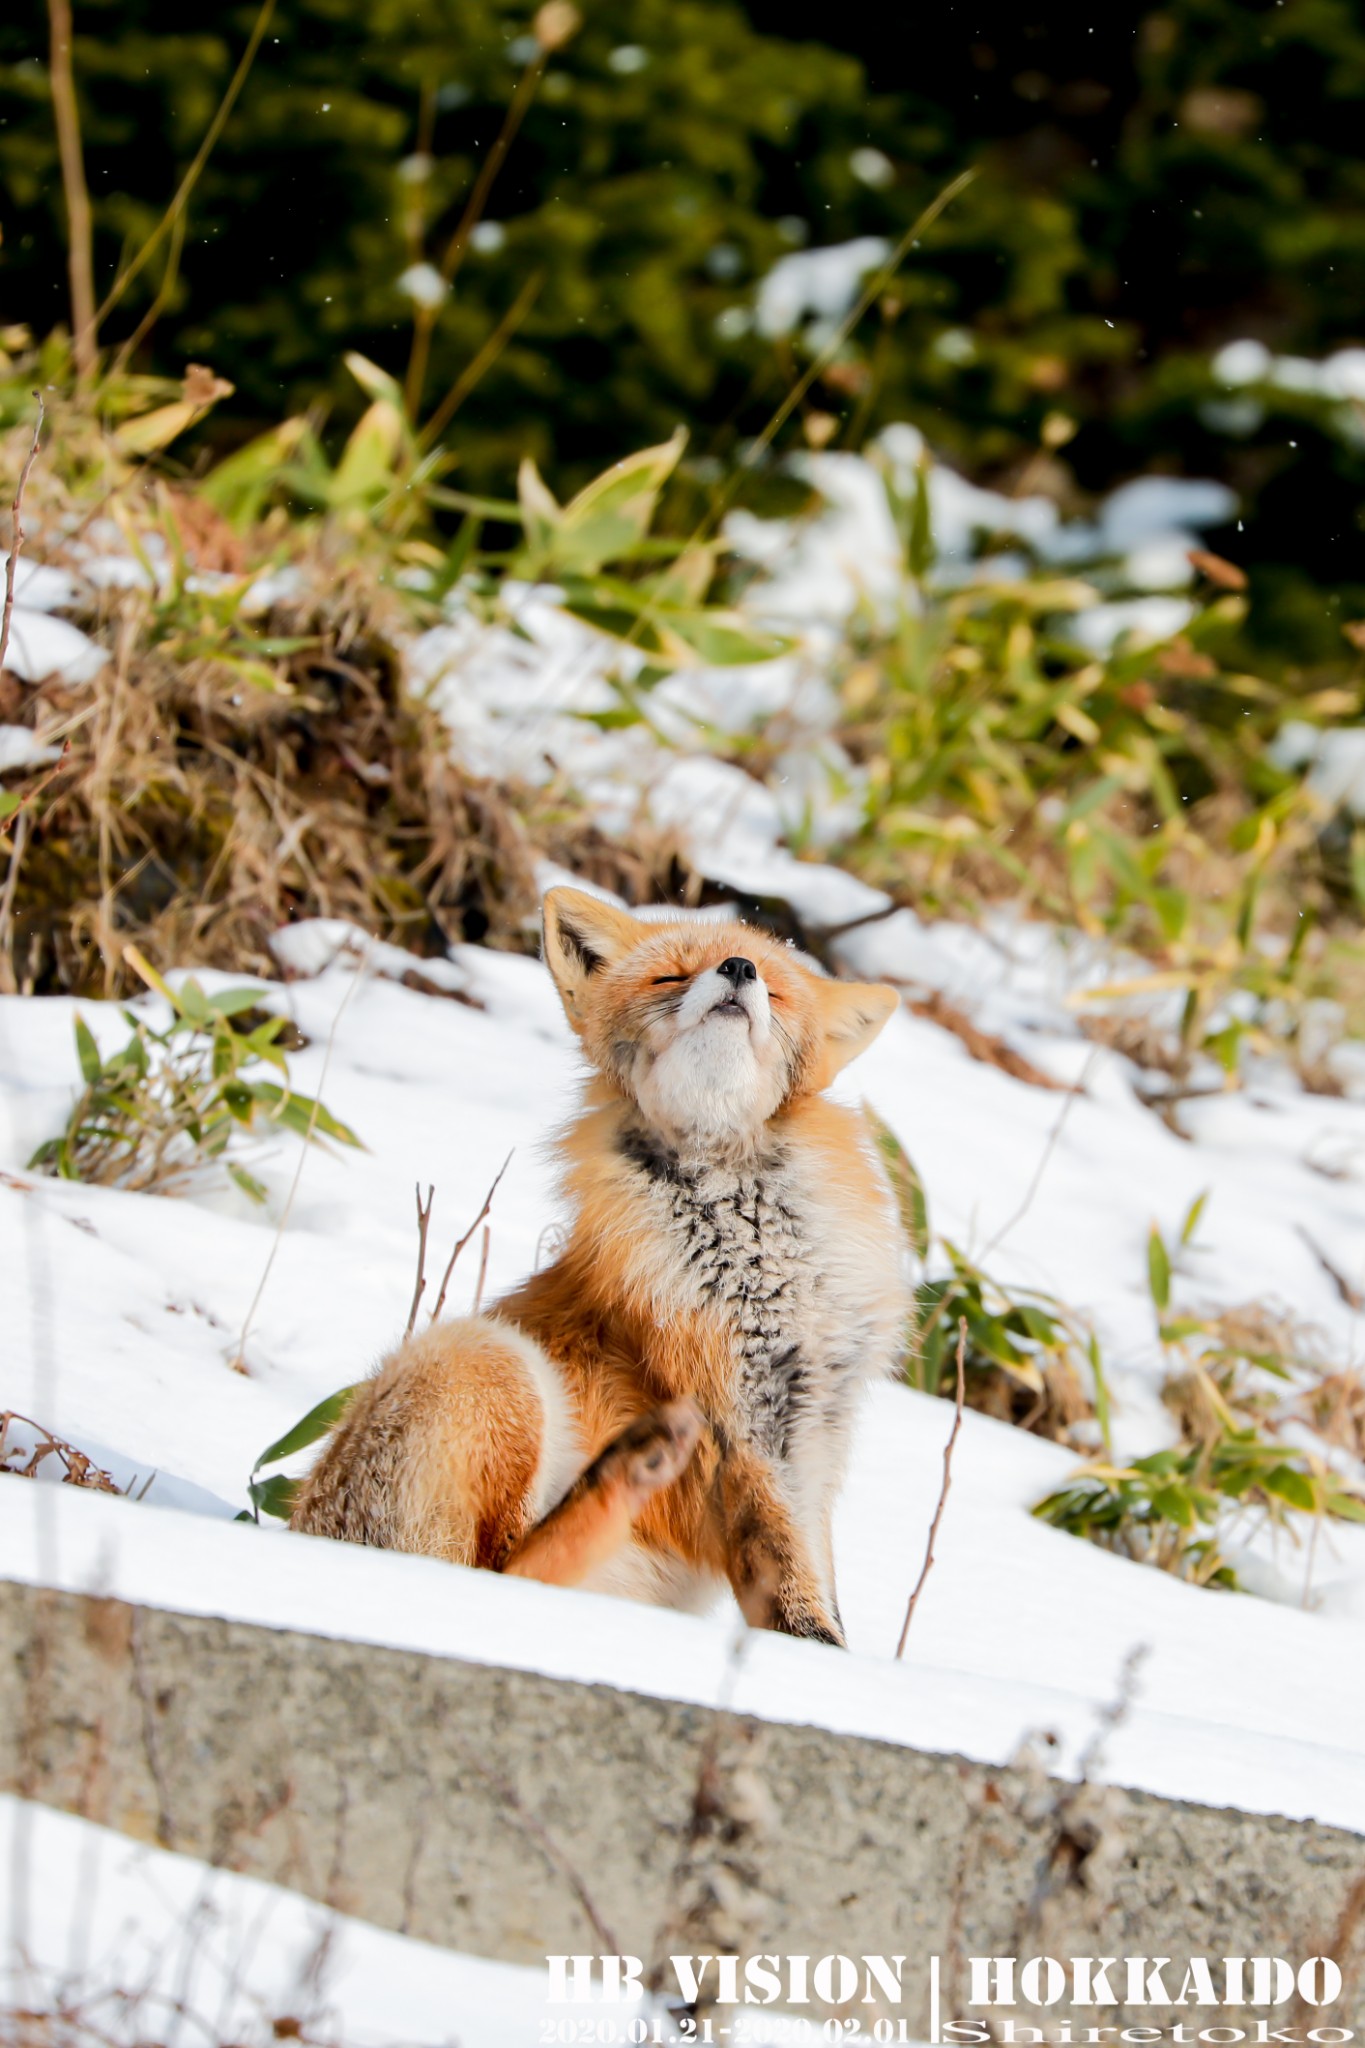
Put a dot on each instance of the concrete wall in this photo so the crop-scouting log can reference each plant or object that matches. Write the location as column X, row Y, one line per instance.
column 512, row 1815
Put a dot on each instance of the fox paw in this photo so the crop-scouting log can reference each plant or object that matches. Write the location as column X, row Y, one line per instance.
column 655, row 1450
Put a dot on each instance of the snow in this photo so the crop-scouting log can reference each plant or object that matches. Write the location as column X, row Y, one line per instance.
column 42, row 589
column 823, row 282
column 1141, row 620
column 207, row 1954
column 1334, row 758
column 126, row 1316
column 21, row 748
column 126, row 1312
column 1339, row 377
column 40, row 646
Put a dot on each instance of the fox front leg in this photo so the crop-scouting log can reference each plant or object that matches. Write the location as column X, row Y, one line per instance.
column 767, row 1561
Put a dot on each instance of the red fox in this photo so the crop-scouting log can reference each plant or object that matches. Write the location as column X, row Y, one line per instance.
column 667, row 1406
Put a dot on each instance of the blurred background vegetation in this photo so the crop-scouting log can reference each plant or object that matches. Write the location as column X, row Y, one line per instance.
column 1152, row 185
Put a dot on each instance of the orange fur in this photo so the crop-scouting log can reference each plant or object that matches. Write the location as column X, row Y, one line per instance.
column 733, row 1245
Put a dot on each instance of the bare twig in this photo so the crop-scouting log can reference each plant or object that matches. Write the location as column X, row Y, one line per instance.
column 558, row 1859
column 79, row 251
column 304, row 1150
column 129, row 347
column 425, row 317
column 1343, row 1945
column 1348, row 1291
column 151, row 1744
column 17, row 534
column 80, row 1470
column 869, row 297
column 480, row 361
column 483, row 1268
column 23, row 821
column 487, row 1205
column 947, row 1482
column 423, row 1224
column 191, row 178
column 1054, row 1136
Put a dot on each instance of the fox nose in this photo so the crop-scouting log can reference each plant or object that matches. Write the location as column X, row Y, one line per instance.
column 737, row 969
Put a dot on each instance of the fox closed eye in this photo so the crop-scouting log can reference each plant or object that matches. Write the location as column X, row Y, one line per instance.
column 660, row 979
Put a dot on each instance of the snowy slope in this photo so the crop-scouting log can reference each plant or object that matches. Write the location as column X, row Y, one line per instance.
column 153, row 1946
column 125, row 1311
column 122, row 1315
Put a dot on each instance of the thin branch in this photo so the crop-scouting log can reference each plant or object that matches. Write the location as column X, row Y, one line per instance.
column 487, row 1205
column 79, row 253
column 426, row 316
column 947, row 1482
column 304, row 1149
column 1349, row 1293
column 531, row 1825
column 127, row 349
column 479, row 363
column 17, row 535
column 1054, row 1135
column 423, row 1224
column 483, row 1268
column 191, row 177
column 870, row 294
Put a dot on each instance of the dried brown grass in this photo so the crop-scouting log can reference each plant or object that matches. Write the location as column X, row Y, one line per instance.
column 1052, row 1411
column 196, row 811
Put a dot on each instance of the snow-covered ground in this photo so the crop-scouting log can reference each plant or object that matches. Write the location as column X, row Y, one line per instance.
column 145, row 1946
column 123, row 1314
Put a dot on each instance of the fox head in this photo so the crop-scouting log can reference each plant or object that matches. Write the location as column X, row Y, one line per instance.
column 708, row 1028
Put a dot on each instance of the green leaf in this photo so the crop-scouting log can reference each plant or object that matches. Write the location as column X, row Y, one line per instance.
column 247, row 1182
column 1295, row 1487
column 540, row 514
column 1038, row 1324
column 191, row 1003
column 723, row 639
column 1357, row 866
column 274, row 1496
column 307, row 1429
column 302, row 1114
column 370, row 458
column 239, row 1100
column 373, row 381
column 1172, row 907
column 229, row 1002
column 686, row 580
column 1158, row 1462
column 88, row 1053
column 1175, row 1504
column 1192, row 1216
column 920, row 547
column 1158, row 1269
column 611, row 515
column 906, row 1184
column 9, row 803
column 1225, row 1045
column 1102, row 1405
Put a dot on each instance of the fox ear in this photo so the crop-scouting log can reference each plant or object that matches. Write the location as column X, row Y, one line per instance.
column 851, row 1013
column 582, row 934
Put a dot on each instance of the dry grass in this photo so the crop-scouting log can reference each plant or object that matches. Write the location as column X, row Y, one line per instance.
column 1052, row 1412
column 1335, row 1408
column 22, row 1461
column 225, row 777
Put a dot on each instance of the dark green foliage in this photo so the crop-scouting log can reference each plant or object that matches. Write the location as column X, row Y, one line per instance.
column 1175, row 179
